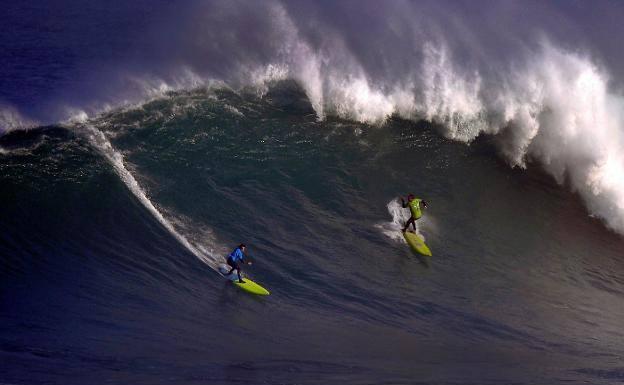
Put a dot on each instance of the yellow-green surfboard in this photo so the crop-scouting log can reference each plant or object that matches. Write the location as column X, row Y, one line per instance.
column 417, row 243
column 248, row 285
column 251, row 287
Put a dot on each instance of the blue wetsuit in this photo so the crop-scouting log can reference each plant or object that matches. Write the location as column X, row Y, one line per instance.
column 233, row 259
column 236, row 255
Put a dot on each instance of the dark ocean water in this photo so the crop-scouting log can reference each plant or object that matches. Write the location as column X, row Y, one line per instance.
column 141, row 141
column 524, row 287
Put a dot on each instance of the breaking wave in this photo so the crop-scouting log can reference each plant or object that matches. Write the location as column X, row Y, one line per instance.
column 548, row 99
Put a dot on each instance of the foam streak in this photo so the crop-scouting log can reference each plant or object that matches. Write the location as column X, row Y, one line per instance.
column 99, row 140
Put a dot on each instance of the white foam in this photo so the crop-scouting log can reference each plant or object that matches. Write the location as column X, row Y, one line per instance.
column 564, row 116
column 354, row 98
column 555, row 108
column 448, row 97
column 261, row 78
column 11, row 119
column 399, row 216
column 549, row 104
column 544, row 103
column 235, row 111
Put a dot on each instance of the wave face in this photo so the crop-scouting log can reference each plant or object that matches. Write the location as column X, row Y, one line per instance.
column 140, row 142
column 548, row 87
column 111, row 229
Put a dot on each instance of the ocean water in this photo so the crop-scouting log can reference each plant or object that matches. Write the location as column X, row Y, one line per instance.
column 119, row 205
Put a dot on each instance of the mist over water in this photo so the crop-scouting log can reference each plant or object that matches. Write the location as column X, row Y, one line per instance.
column 140, row 141
column 542, row 77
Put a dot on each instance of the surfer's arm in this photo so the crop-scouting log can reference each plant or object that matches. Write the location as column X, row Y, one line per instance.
column 244, row 259
column 403, row 203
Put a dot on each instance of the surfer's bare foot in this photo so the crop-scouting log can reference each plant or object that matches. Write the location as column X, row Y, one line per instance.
column 241, row 281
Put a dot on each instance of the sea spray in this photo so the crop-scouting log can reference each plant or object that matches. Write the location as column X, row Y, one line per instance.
column 548, row 92
column 399, row 216
column 11, row 119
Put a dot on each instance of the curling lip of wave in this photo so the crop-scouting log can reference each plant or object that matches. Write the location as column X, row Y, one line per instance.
column 556, row 110
column 551, row 105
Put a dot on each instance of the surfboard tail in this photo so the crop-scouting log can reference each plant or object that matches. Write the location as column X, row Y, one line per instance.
column 417, row 244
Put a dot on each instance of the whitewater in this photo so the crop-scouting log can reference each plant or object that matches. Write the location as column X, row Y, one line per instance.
column 546, row 104
column 141, row 142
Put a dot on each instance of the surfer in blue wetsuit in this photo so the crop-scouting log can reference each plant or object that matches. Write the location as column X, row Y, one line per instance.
column 236, row 256
column 415, row 205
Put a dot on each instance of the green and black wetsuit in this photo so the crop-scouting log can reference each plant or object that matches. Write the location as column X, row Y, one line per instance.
column 414, row 206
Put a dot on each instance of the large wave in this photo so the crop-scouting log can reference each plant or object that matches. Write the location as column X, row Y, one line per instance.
column 531, row 75
column 178, row 228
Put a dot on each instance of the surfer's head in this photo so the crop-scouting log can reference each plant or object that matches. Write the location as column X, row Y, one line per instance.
column 242, row 246
column 410, row 197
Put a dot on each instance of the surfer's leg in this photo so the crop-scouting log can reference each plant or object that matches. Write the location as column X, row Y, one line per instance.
column 411, row 220
column 414, row 224
column 239, row 276
column 235, row 266
column 232, row 266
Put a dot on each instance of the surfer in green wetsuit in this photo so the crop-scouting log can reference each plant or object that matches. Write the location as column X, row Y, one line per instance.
column 415, row 205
